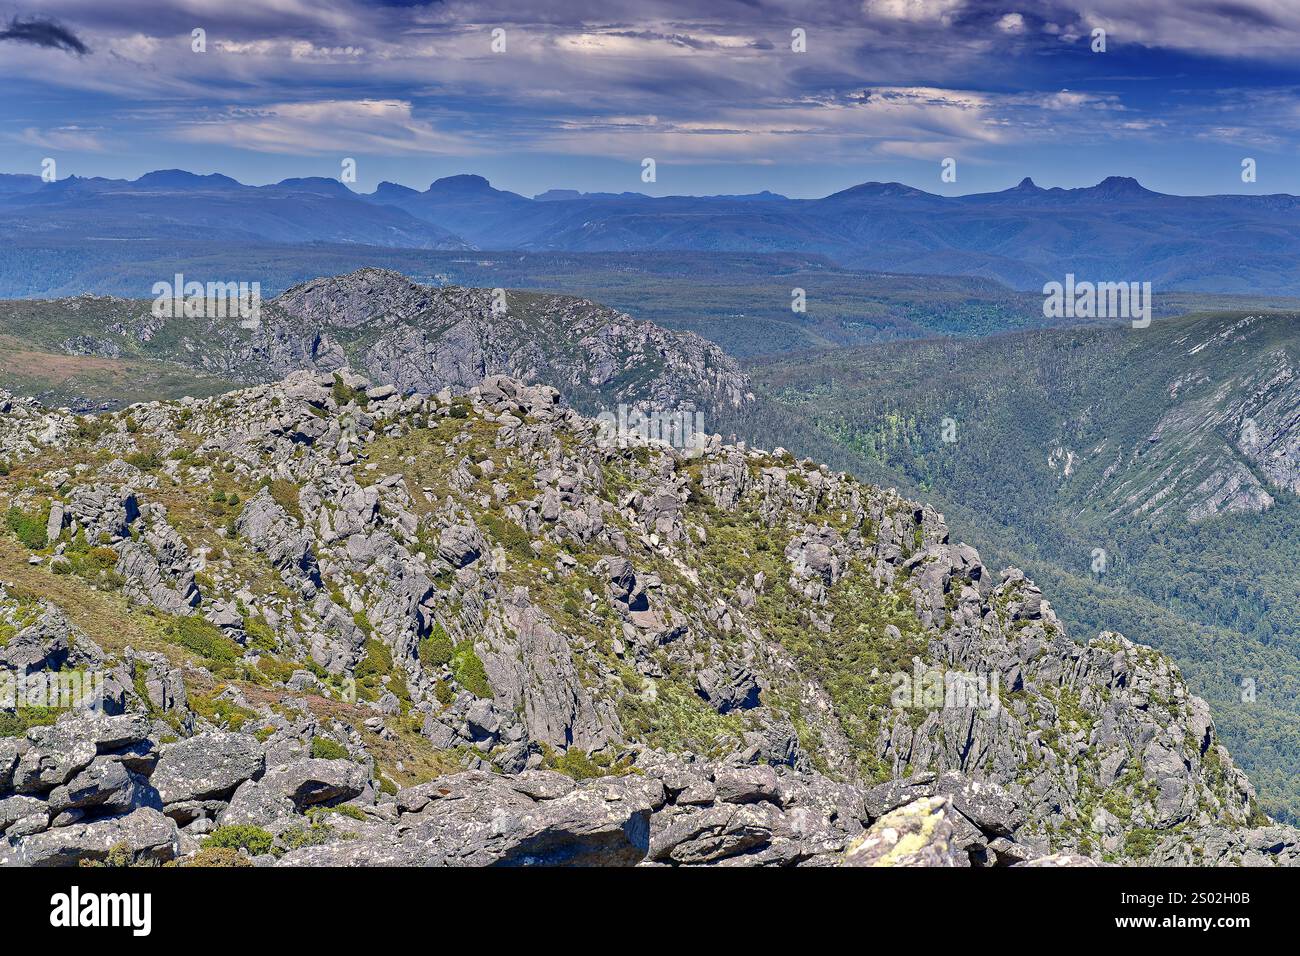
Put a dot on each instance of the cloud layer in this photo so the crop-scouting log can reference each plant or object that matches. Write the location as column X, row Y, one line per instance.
column 760, row 83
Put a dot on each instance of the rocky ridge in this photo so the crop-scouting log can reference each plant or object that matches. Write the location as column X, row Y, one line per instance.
column 421, row 339
column 338, row 623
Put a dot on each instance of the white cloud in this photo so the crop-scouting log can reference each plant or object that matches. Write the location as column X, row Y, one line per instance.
column 326, row 126
column 1011, row 23
column 336, row 76
column 71, row 138
column 1243, row 28
column 913, row 11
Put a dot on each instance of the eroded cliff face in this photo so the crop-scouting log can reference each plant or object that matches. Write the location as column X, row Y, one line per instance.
column 1226, row 441
column 383, row 627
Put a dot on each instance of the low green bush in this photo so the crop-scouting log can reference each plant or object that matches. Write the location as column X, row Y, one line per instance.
column 241, row 837
column 28, row 528
column 322, row 748
column 436, row 649
column 469, row 671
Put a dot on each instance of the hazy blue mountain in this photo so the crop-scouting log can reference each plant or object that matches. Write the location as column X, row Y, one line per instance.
column 18, row 183
column 174, row 204
column 741, row 301
column 180, row 178
column 1023, row 237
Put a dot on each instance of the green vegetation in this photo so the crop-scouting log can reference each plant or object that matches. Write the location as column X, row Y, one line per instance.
column 509, row 535
column 28, row 527
column 467, row 668
column 325, row 749
column 222, row 712
column 295, row 838
column 95, row 564
column 260, row 634
column 377, row 672
column 1218, row 595
column 344, row 394
column 144, row 460
column 15, row 723
column 255, row 840
column 212, row 856
column 581, row 765
column 677, row 719
column 201, row 637
column 285, row 494
column 343, row 810
column 436, row 650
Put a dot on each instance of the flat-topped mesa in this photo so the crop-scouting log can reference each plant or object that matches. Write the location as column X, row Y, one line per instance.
column 490, row 581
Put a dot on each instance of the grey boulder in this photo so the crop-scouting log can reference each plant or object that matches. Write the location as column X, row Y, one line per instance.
column 314, row 781
column 206, row 766
column 145, row 835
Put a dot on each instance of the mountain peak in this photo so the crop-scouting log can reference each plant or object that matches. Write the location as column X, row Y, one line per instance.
column 558, row 195
column 890, row 190
column 1121, row 186
column 183, row 177
column 394, row 190
column 462, row 182
column 316, row 184
column 356, row 298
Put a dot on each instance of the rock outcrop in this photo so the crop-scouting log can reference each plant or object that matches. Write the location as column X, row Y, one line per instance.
column 417, row 338
column 370, row 627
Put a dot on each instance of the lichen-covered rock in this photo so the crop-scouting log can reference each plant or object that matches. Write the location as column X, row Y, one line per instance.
column 208, row 765
column 921, row 833
column 142, row 836
column 477, row 819
column 310, row 782
column 16, row 808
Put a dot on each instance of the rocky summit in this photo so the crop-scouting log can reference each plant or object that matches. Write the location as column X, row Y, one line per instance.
column 381, row 324
column 329, row 621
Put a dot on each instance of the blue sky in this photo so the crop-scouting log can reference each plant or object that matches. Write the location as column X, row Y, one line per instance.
column 885, row 90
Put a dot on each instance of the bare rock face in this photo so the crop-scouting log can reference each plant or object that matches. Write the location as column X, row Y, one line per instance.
column 44, row 645
column 313, row 782
column 1061, row 859
column 142, row 836
column 434, row 338
column 275, row 533
column 392, row 628
column 477, row 819
column 358, row 298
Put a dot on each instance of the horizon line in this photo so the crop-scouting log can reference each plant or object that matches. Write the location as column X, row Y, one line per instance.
column 1026, row 182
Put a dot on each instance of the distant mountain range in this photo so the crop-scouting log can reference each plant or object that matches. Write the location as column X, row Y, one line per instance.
column 1024, row 236
column 173, row 204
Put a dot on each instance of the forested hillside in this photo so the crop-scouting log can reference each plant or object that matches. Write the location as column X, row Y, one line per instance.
column 1146, row 473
